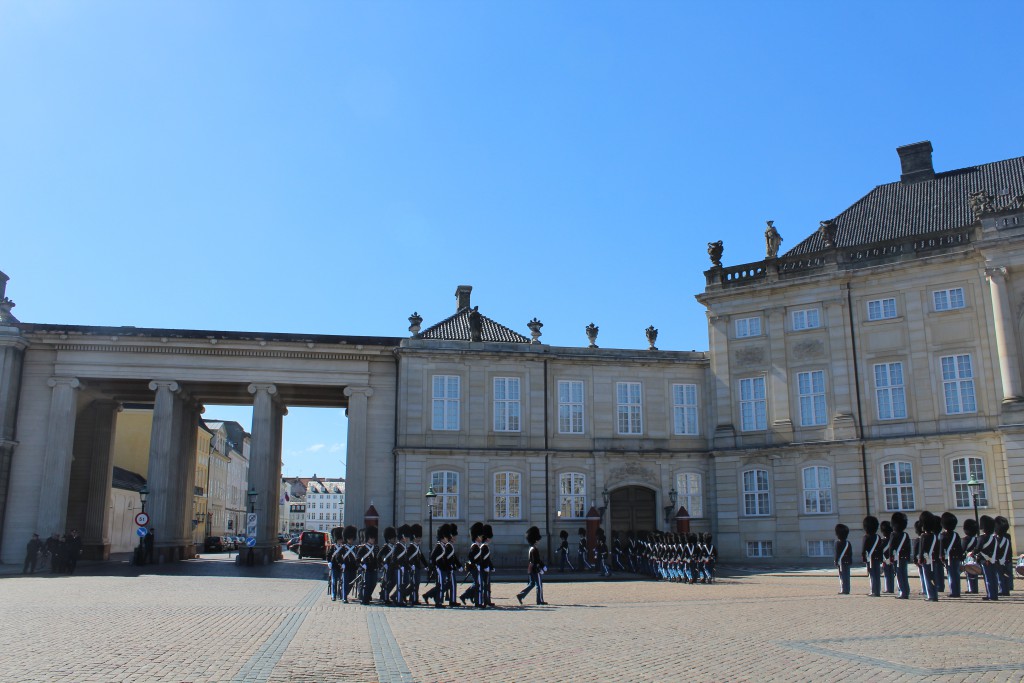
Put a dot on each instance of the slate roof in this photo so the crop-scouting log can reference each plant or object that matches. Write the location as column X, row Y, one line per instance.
column 456, row 328
column 898, row 210
column 126, row 480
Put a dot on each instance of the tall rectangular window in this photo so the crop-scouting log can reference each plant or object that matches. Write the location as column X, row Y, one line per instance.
column 572, row 495
column 811, row 387
column 748, row 327
column 446, row 398
column 684, row 408
column 753, row 405
column 689, row 495
column 817, row 490
column 963, row 470
column 507, row 495
column 806, row 319
column 890, row 394
column 948, row 299
column 882, row 309
column 506, row 404
column 570, row 407
column 628, row 407
column 898, row 478
column 958, row 384
column 446, row 486
column 755, row 493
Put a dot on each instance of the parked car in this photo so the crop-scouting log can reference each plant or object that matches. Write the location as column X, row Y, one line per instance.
column 313, row 544
column 214, row 544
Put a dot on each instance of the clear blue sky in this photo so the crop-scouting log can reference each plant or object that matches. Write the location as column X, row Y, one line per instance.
column 329, row 167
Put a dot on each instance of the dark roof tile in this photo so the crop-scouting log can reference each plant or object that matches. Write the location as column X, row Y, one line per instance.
column 456, row 328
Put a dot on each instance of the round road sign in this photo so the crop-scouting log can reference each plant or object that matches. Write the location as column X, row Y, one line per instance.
column 141, row 531
column 142, row 519
column 251, row 541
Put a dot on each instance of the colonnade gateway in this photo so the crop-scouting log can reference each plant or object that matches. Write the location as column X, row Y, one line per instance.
column 874, row 367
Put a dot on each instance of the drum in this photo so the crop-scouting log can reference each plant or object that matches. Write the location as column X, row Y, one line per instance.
column 1020, row 566
column 971, row 566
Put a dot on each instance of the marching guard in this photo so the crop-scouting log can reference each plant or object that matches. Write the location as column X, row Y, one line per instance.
column 534, row 568
column 368, row 563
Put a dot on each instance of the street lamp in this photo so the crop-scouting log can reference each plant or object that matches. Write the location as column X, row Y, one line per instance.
column 673, row 495
column 974, row 485
column 430, row 496
column 252, row 498
column 143, row 494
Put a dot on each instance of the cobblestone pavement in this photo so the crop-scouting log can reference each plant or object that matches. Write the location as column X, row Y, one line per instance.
column 207, row 620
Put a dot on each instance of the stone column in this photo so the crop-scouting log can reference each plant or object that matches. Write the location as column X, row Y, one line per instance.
column 95, row 528
column 164, row 480
column 1006, row 339
column 264, row 460
column 12, row 355
column 53, row 494
column 356, row 495
column 185, row 475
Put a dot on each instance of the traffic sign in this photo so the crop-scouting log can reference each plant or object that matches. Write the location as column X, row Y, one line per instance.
column 141, row 531
column 251, row 541
column 142, row 519
column 250, row 524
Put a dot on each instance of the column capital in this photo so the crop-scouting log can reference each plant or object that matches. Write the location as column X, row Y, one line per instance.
column 361, row 391
column 72, row 382
column 170, row 385
column 996, row 272
column 257, row 387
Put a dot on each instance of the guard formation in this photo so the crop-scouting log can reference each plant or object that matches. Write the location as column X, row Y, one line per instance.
column 682, row 558
column 940, row 553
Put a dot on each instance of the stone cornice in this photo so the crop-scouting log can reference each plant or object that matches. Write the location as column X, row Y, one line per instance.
column 117, row 347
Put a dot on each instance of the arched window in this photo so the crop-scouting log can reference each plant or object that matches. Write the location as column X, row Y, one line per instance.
column 446, row 486
column 688, row 488
column 898, row 478
column 963, row 470
column 817, row 490
column 572, row 495
column 756, row 493
column 507, row 495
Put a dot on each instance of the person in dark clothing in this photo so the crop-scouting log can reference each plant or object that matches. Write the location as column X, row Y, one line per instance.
column 147, row 544
column 534, row 568
column 72, row 551
column 844, row 557
column 52, row 551
column 32, row 551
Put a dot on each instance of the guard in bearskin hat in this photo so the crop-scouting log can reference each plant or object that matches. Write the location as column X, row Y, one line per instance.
column 417, row 561
column 534, row 568
column 617, row 551
column 348, row 561
column 888, row 572
column 436, row 567
column 476, row 532
column 952, row 552
column 1004, row 556
column 988, row 546
column 563, row 552
column 403, row 563
column 388, row 567
column 486, row 566
column 928, row 555
column 844, row 557
column 710, row 558
column 582, row 550
column 970, row 543
column 871, row 555
column 368, row 563
column 452, row 566
column 601, row 554
column 899, row 553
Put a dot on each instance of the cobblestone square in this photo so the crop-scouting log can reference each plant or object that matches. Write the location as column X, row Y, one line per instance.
column 207, row 620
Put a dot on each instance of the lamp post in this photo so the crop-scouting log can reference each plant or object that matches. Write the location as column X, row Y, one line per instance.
column 143, row 494
column 141, row 552
column 430, row 496
column 973, row 484
column 673, row 495
column 252, row 493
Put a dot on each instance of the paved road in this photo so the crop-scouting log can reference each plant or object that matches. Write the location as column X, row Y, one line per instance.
column 204, row 620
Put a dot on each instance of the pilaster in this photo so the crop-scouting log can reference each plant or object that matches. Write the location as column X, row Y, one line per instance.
column 53, row 494
column 356, row 495
column 1006, row 339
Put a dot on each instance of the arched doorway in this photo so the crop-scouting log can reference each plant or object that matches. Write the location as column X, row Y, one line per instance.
column 633, row 508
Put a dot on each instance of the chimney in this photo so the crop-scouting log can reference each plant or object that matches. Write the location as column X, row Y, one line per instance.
column 916, row 160
column 462, row 297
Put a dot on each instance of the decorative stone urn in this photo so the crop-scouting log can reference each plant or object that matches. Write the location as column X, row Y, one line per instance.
column 535, row 332
column 415, row 320
column 592, row 331
column 652, row 336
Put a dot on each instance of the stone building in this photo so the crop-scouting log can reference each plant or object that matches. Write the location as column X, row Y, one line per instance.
column 874, row 366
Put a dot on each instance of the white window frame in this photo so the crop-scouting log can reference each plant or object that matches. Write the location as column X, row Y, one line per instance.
column 820, row 548
column 689, row 493
column 507, row 409
column 629, row 416
column 811, row 392
column 890, row 391
column 446, row 485
column 760, row 549
column 446, row 399
column 756, row 493
column 753, row 408
column 951, row 299
column 898, row 486
column 570, row 406
column 508, row 495
column 882, row 309
column 748, row 327
column 817, row 495
column 958, row 384
column 962, row 469
column 684, row 410
column 572, row 495
column 805, row 319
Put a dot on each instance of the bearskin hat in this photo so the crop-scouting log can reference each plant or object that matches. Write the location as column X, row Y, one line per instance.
column 582, row 532
column 417, row 531
column 350, row 533
column 532, row 535
column 442, row 532
column 870, row 525
column 933, row 524
column 370, row 533
column 453, row 530
column 970, row 527
column 707, row 537
column 1002, row 525
column 563, row 534
column 918, row 527
column 925, row 519
column 692, row 538
column 488, row 532
column 842, row 532
column 389, row 534
column 404, row 531
column 899, row 522
column 948, row 521
column 988, row 525
column 886, row 527
column 336, row 533
column 476, row 530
